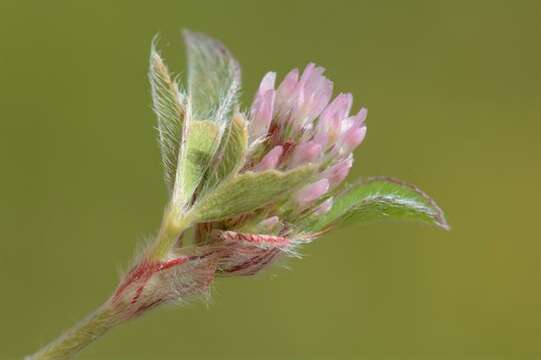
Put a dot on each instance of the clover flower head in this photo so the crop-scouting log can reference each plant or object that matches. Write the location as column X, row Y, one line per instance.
column 297, row 124
column 255, row 186
column 245, row 188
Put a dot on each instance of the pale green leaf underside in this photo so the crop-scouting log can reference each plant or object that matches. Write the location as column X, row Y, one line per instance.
column 213, row 79
column 380, row 199
column 249, row 191
column 169, row 105
column 232, row 152
column 213, row 85
column 198, row 150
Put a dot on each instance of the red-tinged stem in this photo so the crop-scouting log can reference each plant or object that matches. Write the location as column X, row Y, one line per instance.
column 121, row 306
column 109, row 315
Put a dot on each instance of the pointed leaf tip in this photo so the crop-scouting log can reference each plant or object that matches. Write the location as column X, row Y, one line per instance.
column 425, row 206
column 213, row 78
column 380, row 198
column 168, row 103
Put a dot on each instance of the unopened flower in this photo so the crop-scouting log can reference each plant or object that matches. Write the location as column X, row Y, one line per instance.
column 254, row 185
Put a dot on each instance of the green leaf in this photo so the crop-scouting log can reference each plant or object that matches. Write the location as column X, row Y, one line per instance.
column 229, row 158
column 213, row 79
column 197, row 151
column 376, row 199
column 213, row 85
column 249, row 191
column 168, row 104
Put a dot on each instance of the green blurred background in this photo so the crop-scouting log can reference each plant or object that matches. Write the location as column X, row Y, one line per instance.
column 453, row 90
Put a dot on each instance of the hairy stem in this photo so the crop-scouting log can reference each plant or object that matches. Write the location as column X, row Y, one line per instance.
column 107, row 316
column 172, row 228
column 77, row 338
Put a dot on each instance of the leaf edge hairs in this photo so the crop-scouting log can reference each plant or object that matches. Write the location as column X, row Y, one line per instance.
column 254, row 186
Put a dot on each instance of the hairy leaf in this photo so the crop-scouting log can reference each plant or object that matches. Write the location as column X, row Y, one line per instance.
column 249, row 191
column 213, row 79
column 230, row 156
column 168, row 104
column 197, row 152
column 380, row 199
column 213, row 84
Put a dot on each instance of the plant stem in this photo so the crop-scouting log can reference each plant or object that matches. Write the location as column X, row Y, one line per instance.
column 172, row 227
column 82, row 334
column 97, row 323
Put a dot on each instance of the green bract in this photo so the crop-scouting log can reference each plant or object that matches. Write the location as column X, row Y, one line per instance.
column 249, row 191
column 379, row 198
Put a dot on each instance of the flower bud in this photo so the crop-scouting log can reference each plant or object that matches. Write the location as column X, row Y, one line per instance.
column 305, row 153
column 271, row 159
column 338, row 172
column 353, row 138
column 267, row 83
column 286, row 89
column 312, row 192
column 261, row 114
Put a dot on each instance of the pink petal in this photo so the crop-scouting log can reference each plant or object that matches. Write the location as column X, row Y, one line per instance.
column 267, row 83
column 324, row 207
column 311, row 96
column 329, row 121
column 317, row 88
column 347, row 124
column 305, row 153
column 356, row 120
column 320, row 98
column 339, row 107
column 261, row 114
column 312, row 192
column 361, row 115
column 286, row 88
column 308, row 72
column 353, row 138
column 338, row 172
column 321, row 138
column 311, row 78
column 270, row 160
